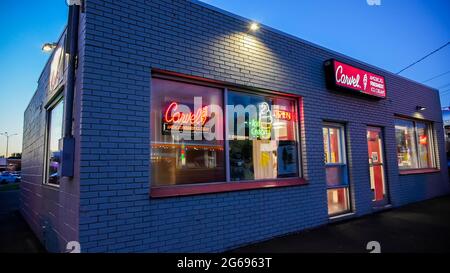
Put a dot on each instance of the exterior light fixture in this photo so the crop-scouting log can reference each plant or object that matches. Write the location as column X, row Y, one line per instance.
column 73, row 2
column 421, row 108
column 254, row 26
column 48, row 47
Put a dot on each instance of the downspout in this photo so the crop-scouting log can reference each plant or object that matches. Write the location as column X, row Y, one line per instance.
column 68, row 141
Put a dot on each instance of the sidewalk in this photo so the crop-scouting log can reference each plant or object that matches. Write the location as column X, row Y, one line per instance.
column 421, row 227
column 15, row 235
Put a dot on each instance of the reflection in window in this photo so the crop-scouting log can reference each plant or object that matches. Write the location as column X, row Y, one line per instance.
column 413, row 144
column 179, row 161
column 261, row 130
column 406, row 147
column 425, row 158
column 55, row 123
column 338, row 201
column 332, row 141
column 263, row 138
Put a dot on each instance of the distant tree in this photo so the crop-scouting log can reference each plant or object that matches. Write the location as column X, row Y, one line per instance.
column 16, row 155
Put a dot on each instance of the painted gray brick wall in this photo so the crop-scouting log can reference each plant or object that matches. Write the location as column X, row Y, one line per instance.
column 125, row 40
column 52, row 213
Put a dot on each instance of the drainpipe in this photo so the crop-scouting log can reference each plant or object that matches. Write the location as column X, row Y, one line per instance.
column 68, row 141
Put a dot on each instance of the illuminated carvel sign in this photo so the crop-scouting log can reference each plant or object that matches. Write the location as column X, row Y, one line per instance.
column 194, row 122
column 172, row 116
column 341, row 76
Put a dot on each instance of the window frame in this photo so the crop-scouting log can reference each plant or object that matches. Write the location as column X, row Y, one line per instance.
column 51, row 105
column 432, row 148
column 228, row 185
column 343, row 164
column 342, row 152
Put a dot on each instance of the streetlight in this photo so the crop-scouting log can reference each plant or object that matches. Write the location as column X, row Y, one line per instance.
column 7, row 135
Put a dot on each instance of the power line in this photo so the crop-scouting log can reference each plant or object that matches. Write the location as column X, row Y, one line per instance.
column 418, row 61
column 444, row 92
column 435, row 77
column 444, row 86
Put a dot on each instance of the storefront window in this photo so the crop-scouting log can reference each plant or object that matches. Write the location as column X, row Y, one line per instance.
column 336, row 169
column 259, row 142
column 262, row 137
column 413, row 144
column 189, row 160
column 55, row 123
column 406, row 147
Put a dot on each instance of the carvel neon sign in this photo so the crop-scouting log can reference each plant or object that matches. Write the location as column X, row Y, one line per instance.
column 173, row 117
column 194, row 122
column 341, row 76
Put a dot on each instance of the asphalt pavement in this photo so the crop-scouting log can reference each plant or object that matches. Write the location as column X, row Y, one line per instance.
column 15, row 234
column 421, row 227
column 417, row 228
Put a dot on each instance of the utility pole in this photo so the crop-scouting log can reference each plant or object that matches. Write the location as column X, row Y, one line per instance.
column 7, row 135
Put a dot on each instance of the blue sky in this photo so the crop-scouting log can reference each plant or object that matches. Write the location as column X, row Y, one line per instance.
column 390, row 36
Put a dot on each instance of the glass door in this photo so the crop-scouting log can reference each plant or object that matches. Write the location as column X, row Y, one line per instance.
column 376, row 166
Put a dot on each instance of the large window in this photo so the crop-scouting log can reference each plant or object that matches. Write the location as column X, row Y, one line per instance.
column 191, row 143
column 263, row 145
column 414, row 144
column 176, row 159
column 336, row 169
column 54, row 134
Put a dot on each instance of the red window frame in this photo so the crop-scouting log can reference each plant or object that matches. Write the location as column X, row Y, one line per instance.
column 222, row 187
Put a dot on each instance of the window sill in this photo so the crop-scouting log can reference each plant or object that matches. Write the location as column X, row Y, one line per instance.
column 341, row 217
column 178, row 191
column 419, row 171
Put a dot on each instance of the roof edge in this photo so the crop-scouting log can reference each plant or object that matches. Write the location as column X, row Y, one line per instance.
column 285, row 34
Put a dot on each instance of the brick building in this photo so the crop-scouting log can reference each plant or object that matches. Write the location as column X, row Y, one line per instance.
column 344, row 138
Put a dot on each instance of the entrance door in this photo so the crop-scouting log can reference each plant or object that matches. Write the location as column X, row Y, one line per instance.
column 376, row 166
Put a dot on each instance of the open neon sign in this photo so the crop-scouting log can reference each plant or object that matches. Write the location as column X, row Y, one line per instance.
column 282, row 115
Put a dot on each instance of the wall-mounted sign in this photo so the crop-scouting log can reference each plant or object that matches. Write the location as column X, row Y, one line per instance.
column 341, row 76
column 58, row 65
